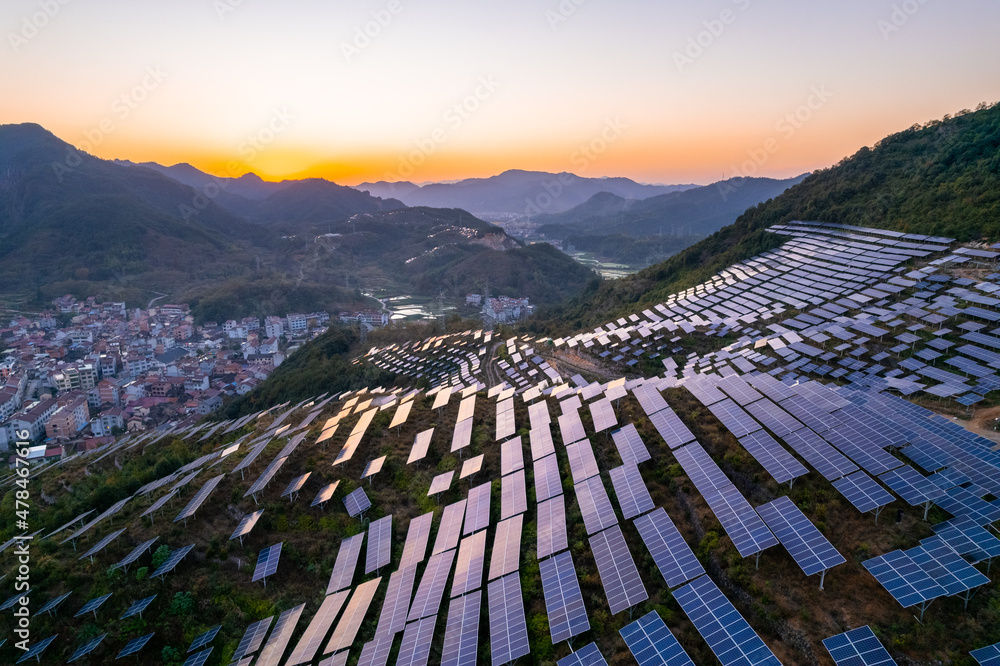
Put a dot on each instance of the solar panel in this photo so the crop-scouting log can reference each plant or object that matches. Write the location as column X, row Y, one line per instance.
column 450, row 528
column 506, row 547
column 462, row 436
column 595, row 505
column 477, row 510
column 469, row 565
column 52, row 604
column 812, row 551
column 417, row 534
column 962, row 502
column 582, row 462
column 346, row 564
column 968, row 538
column 246, row 524
column 440, row 483
column 137, row 607
column 420, row 445
column 857, row 647
column 265, row 477
column 100, row 545
column 373, row 467
column 201, row 640
column 946, row 566
column 416, row 646
column 630, row 445
column 588, row 655
column 373, row 653
column 619, row 576
column 431, row 589
column 513, row 498
column 87, row 648
column 36, row 650
column 603, row 415
column 198, row 658
column 92, row 605
column 267, row 562
column 736, row 420
column 354, row 614
column 283, row 630
column 700, row 468
column 671, row 428
column 379, row 544
column 571, row 427
column 392, row 618
column 508, row 628
column 649, row 398
column 511, row 456
column 135, row 554
column 652, row 644
column 633, row 496
column 863, row 492
column 541, row 442
column 199, row 498
column 402, row 412
column 911, row 485
column 672, row 555
column 471, row 466
column 461, row 636
column 356, row 502
column 317, row 629
column 547, row 481
column 828, row 461
column 779, row 463
column 903, row 578
column 134, row 645
column 746, row 529
column 252, row 638
column 563, row 598
column 987, row 656
column 729, row 636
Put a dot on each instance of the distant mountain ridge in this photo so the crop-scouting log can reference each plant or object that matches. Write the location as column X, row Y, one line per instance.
column 518, row 192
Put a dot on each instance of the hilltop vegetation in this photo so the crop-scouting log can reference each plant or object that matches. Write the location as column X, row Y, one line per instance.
column 940, row 179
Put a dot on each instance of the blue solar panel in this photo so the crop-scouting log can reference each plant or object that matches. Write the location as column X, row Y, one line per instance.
column 961, row 502
column 812, row 551
column 968, row 538
column 92, row 605
column 704, row 473
column 135, row 645
column 672, row 555
column 205, row 638
column 903, row 578
column 652, row 644
column 749, row 533
column 87, row 648
column 588, row 655
column 911, row 485
column 828, row 461
column 987, row 656
column 563, row 598
column 773, row 457
column 857, row 647
column 731, row 638
column 863, row 492
column 946, row 566
column 137, row 607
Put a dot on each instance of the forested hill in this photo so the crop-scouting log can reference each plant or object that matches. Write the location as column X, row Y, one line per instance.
column 941, row 178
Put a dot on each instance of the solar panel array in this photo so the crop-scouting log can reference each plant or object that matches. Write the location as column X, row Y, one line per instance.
column 379, row 544
column 508, row 628
column 652, row 644
column 812, row 551
column 172, row 561
column 987, row 656
column 416, row 645
column 513, row 497
column 427, row 600
column 135, row 609
column 506, row 552
column 727, row 633
column 477, row 510
column 199, row 498
column 246, row 524
column 903, row 578
column 346, row 563
column 470, row 563
column 511, row 456
column 547, row 481
column 673, row 556
column 417, row 534
column 396, row 605
column 253, row 637
column 743, row 525
column 203, row 639
column 563, row 598
column 551, row 527
column 671, row 428
column 450, row 529
column 779, row 463
column 588, row 655
column 582, row 463
column 622, row 585
column 134, row 645
column 93, row 605
column 863, row 492
column 603, row 415
column 630, row 445
column 858, row 647
column 421, row 443
column 440, row 483
column 595, row 505
column 461, row 637
column 356, row 502
column 633, row 496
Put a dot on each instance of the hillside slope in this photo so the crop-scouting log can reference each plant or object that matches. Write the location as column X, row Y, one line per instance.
column 941, row 179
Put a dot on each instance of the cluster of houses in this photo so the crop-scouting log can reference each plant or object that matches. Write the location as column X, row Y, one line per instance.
column 500, row 310
column 86, row 370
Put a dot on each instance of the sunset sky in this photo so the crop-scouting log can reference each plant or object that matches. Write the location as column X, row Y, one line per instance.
column 664, row 92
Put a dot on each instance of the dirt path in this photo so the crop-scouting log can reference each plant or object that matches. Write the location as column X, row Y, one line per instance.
column 568, row 365
column 982, row 421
